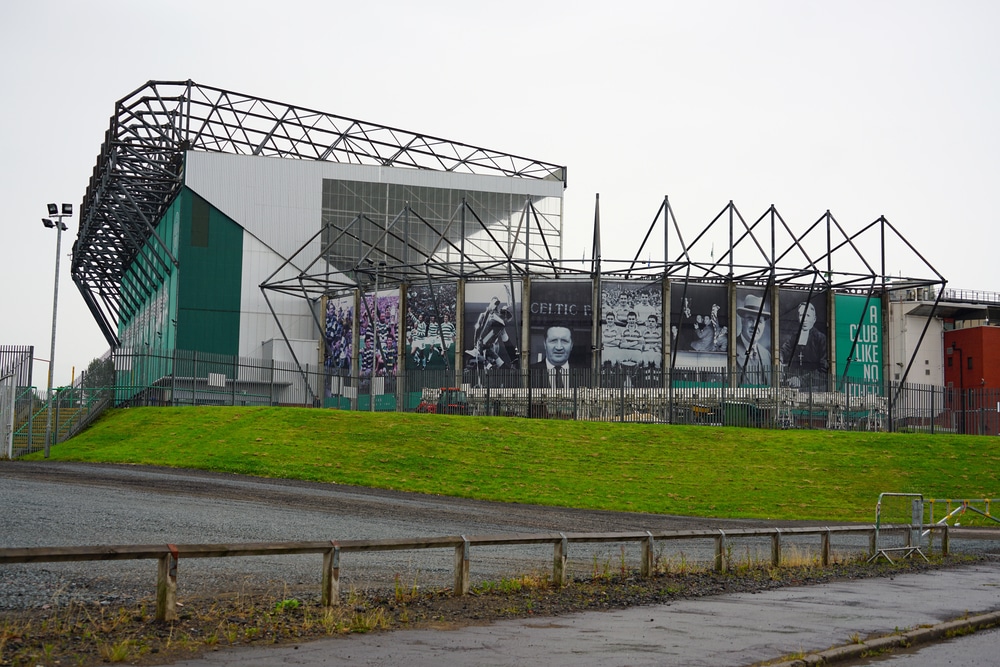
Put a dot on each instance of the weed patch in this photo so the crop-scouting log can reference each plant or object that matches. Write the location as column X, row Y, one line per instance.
column 77, row 634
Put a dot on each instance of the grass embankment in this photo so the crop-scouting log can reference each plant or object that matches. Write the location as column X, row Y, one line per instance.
column 697, row 470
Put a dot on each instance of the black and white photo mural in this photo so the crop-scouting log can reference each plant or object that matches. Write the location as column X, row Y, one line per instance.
column 754, row 357
column 492, row 333
column 561, row 323
column 804, row 350
column 631, row 325
column 699, row 325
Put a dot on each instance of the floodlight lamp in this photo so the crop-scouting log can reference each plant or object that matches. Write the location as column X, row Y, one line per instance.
column 67, row 209
column 48, row 223
column 53, row 209
column 62, row 226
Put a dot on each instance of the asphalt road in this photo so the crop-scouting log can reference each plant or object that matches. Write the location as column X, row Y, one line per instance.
column 717, row 631
column 66, row 504
column 58, row 504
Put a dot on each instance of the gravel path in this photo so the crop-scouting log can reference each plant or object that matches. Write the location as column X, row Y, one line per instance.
column 62, row 504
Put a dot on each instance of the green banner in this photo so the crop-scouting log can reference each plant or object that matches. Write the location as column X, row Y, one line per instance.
column 859, row 338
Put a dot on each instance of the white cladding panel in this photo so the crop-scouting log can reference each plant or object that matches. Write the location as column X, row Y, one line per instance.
column 278, row 202
column 257, row 323
column 904, row 332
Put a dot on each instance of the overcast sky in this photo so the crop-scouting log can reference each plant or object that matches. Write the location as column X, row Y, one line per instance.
column 865, row 108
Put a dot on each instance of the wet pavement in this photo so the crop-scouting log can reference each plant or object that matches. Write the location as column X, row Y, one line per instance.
column 737, row 629
column 978, row 650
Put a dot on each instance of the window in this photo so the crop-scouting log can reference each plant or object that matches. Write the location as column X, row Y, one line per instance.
column 199, row 223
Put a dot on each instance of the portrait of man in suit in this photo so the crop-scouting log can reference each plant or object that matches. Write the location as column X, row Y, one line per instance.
column 561, row 333
column 753, row 346
column 554, row 372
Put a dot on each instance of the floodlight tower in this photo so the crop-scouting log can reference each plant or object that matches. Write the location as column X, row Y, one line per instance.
column 55, row 220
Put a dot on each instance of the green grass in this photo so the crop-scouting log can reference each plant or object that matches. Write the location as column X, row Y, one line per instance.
column 696, row 470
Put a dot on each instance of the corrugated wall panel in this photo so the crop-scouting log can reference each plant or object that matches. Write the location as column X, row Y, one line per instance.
column 279, row 200
column 257, row 324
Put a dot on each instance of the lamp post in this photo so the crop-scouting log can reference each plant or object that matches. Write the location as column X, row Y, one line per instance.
column 55, row 220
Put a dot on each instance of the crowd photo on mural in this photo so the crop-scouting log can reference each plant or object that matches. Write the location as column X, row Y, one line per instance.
column 430, row 326
column 699, row 330
column 378, row 333
column 339, row 328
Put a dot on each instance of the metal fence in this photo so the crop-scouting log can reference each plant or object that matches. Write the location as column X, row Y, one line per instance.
column 711, row 396
column 73, row 409
column 15, row 373
column 461, row 546
column 707, row 396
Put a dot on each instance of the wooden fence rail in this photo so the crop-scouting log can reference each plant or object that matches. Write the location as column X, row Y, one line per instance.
column 169, row 554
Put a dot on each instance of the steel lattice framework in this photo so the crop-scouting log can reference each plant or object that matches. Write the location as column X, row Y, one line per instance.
column 139, row 172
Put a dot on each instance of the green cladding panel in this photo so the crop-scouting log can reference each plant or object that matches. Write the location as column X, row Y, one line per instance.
column 210, row 254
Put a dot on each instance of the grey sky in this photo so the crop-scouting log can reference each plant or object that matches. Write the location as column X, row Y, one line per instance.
column 864, row 108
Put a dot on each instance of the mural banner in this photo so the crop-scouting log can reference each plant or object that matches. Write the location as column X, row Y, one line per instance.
column 378, row 334
column 753, row 341
column 699, row 325
column 338, row 329
column 561, row 319
column 631, row 325
column 859, row 328
column 492, row 333
column 804, row 352
column 430, row 326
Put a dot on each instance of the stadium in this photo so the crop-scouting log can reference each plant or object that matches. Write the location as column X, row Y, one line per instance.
column 241, row 251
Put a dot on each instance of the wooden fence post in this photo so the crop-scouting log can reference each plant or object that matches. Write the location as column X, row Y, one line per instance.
column 824, row 548
column 559, row 562
column 166, row 586
column 462, row 567
column 330, row 594
column 648, row 566
column 720, row 551
column 776, row 548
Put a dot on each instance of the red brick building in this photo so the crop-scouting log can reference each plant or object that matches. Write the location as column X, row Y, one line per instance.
column 972, row 378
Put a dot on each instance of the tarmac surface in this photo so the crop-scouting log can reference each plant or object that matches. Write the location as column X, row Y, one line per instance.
column 71, row 504
column 737, row 629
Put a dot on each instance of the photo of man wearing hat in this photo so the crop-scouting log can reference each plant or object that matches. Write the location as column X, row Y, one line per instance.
column 753, row 345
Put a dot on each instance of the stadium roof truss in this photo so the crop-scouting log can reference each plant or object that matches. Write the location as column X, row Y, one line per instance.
column 765, row 253
column 139, row 172
column 768, row 253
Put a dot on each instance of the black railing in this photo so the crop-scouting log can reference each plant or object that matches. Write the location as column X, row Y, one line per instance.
column 646, row 394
